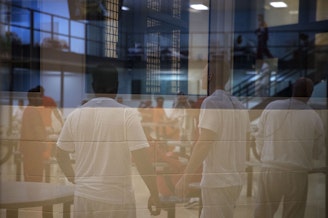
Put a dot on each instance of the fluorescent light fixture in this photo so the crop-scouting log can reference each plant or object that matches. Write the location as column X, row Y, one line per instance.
column 278, row 4
column 199, row 7
column 124, row 8
column 295, row 12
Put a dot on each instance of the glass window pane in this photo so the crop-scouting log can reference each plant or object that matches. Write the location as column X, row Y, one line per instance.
column 94, row 32
column 37, row 40
column 21, row 76
column 77, row 29
column 322, row 10
column 276, row 16
column 42, row 21
column 95, row 48
column 62, row 42
column 20, row 17
column 174, row 42
column 21, row 35
column 60, row 26
column 40, row 38
column 77, row 46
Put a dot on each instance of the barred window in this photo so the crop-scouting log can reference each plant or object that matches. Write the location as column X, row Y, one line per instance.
column 175, row 67
column 153, row 63
column 154, row 5
column 111, row 27
column 176, row 9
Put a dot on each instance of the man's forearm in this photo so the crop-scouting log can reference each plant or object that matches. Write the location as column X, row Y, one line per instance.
column 198, row 155
column 200, row 151
column 146, row 170
column 65, row 164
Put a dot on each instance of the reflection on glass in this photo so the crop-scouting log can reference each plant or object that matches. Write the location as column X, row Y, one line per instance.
column 20, row 17
column 160, row 49
column 77, row 46
column 322, row 8
column 281, row 16
column 77, row 29
column 42, row 21
column 60, row 25
column 21, row 34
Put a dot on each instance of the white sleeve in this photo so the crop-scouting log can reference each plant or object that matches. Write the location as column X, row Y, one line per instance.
column 209, row 119
column 134, row 132
column 65, row 140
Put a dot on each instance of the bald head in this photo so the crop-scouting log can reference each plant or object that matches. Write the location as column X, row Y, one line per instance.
column 303, row 88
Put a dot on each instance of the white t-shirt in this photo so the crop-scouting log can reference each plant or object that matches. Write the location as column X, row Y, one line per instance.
column 225, row 163
column 102, row 133
column 290, row 135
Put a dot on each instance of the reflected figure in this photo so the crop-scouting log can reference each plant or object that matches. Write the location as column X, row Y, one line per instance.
column 84, row 101
column 33, row 138
column 17, row 117
column 105, row 135
column 146, row 111
column 181, row 113
column 221, row 146
column 290, row 134
column 119, row 99
column 160, row 120
column 262, row 84
column 50, row 107
column 49, row 110
column 262, row 39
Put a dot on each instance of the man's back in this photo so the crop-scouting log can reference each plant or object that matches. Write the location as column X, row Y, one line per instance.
column 102, row 133
column 290, row 135
column 225, row 116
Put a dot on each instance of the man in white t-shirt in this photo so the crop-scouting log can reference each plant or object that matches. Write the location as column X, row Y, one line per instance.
column 221, row 147
column 290, row 135
column 103, row 134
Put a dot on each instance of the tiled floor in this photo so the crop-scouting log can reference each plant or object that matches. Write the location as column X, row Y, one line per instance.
column 315, row 206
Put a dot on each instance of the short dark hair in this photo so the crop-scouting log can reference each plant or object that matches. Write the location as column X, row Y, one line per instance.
column 33, row 91
column 303, row 88
column 40, row 88
column 219, row 70
column 105, row 79
column 32, row 94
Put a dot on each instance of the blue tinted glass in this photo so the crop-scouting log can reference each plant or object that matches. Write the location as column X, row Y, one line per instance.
column 95, row 48
column 36, row 35
column 63, row 42
column 60, row 25
column 21, row 79
column 20, row 17
column 94, row 32
column 77, row 46
column 21, row 34
column 40, row 38
column 77, row 29
column 42, row 21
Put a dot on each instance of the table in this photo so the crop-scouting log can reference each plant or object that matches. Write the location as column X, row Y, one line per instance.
column 16, row 195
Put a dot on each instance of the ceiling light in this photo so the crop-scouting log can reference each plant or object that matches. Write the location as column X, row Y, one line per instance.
column 199, row 7
column 124, row 8
column 278, row 4
column 293, row 12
